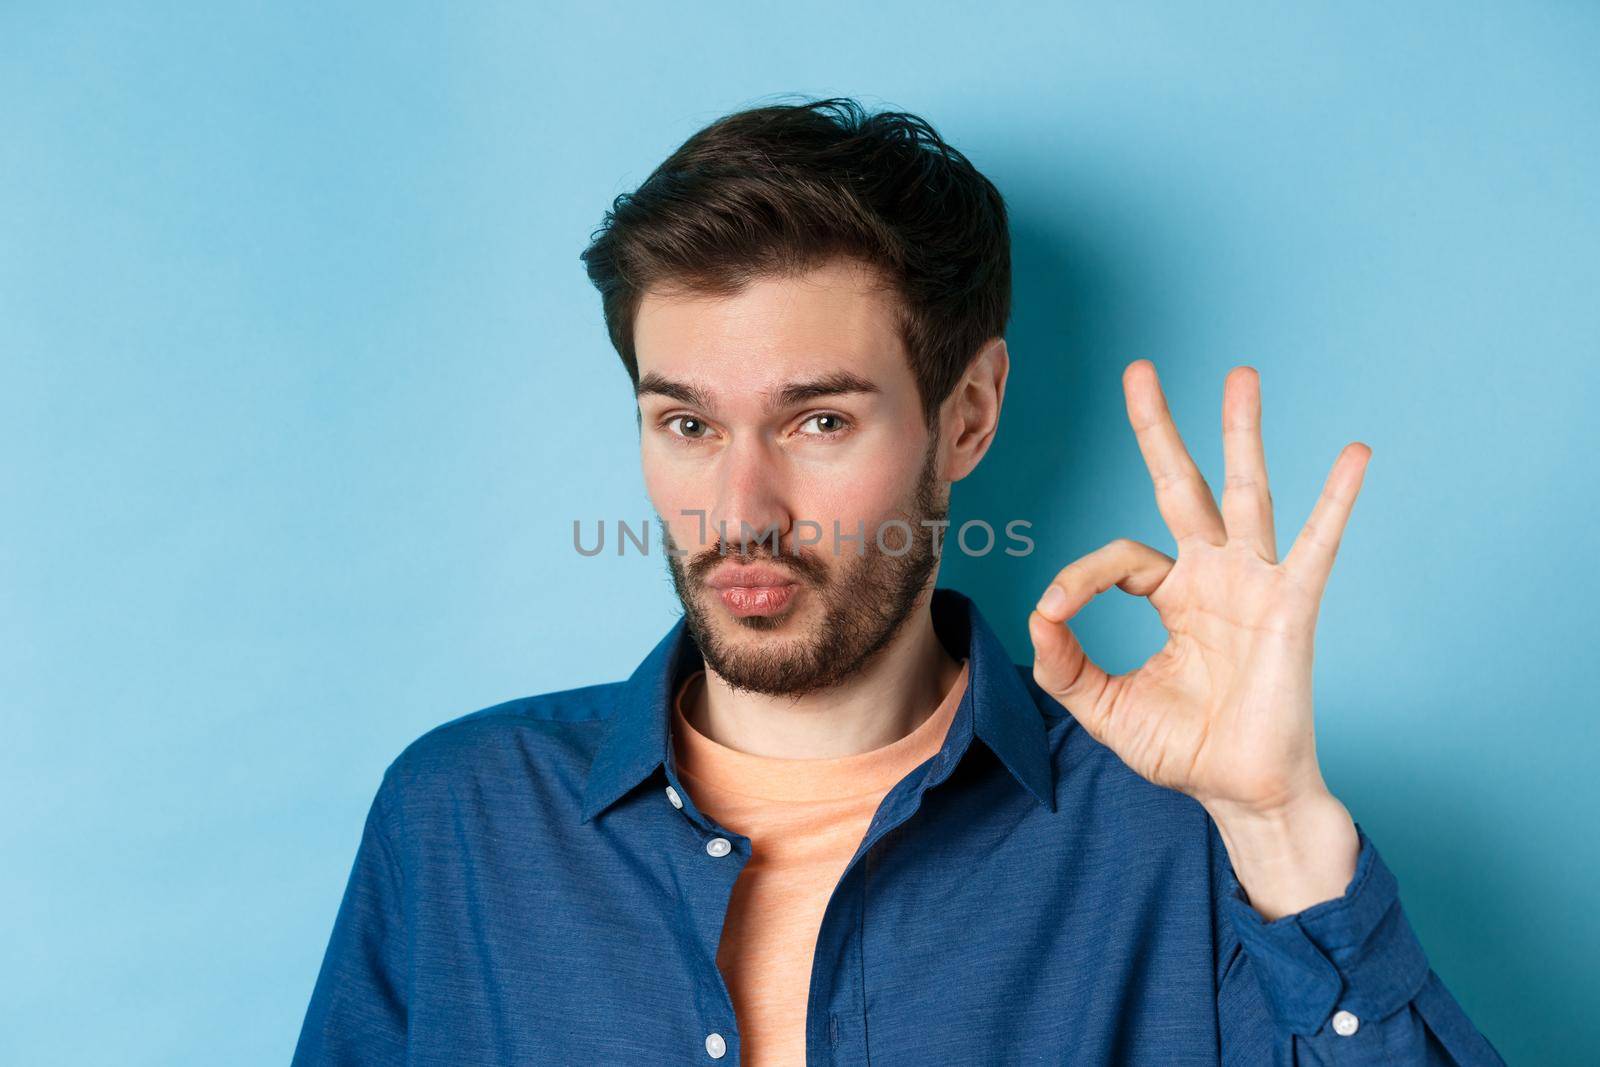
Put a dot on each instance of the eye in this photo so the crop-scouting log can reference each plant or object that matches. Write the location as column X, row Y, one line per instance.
column 693, row 427
column 830, row 424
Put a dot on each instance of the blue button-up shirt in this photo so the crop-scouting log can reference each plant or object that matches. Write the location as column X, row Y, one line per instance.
column 534, row 886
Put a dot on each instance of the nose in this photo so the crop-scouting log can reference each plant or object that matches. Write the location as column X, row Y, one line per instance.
column 751, row 498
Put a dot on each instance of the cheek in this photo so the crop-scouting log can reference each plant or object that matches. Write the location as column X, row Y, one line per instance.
column 867, row 492
column 677, row 497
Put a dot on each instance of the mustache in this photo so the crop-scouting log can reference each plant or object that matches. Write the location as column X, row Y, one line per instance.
column 802, row 566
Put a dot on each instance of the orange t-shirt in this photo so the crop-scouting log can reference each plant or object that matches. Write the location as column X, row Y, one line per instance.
column 805, row 818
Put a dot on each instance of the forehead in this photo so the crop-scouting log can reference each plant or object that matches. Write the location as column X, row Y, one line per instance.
column 838, row 316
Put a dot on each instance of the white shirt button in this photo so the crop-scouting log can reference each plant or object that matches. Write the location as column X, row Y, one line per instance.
column 718, row 846
column 672, row 795
column 1345, row 1024
column 716, row 1048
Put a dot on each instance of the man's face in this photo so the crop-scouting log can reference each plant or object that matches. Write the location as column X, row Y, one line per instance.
column 788, row 412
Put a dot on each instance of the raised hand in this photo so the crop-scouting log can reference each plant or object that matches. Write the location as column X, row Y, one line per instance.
column 1223, row 712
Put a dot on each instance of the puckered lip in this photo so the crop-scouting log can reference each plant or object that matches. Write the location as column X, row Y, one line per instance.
column 756, row 577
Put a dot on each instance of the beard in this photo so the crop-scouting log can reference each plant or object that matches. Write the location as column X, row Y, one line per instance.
column 864, row 601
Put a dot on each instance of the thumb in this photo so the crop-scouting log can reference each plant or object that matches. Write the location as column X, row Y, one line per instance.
column 1060, row 665
column 1062, row 668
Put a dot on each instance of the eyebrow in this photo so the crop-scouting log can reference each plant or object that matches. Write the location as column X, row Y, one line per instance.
column 838, row 383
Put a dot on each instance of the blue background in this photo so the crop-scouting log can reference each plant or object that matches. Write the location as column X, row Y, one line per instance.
column 302, row 387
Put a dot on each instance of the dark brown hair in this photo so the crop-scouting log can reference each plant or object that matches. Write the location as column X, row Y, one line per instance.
column 777, row 190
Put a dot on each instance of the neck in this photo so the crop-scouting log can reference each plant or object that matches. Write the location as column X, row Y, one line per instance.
column 887, row 699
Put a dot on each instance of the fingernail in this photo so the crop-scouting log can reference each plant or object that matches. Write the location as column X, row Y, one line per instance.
column 1054, row 601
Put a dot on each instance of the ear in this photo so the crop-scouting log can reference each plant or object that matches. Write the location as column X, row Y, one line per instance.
column 970, row 415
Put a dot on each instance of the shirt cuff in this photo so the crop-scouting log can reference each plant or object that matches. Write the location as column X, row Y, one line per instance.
column 1356, row 953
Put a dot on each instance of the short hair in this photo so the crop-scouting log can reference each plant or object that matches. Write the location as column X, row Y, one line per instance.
column 777, row 190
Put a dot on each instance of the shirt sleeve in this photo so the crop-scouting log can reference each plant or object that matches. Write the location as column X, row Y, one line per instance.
column 357, row 1013
column 1344, row 981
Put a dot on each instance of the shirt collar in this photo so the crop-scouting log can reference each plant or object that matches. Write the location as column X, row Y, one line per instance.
column 1002, row 711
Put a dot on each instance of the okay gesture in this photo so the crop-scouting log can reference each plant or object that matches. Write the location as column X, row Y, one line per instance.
column 1223, row 712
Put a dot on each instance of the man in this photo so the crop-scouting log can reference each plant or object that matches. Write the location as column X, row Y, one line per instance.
column 827, row 820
